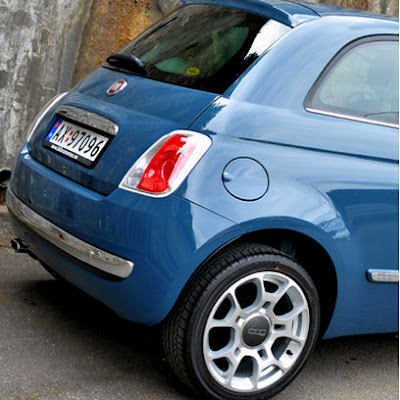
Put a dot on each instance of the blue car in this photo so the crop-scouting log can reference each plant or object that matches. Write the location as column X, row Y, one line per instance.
column 231, row 174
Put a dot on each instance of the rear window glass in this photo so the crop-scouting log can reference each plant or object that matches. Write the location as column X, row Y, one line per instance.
column 203, row 47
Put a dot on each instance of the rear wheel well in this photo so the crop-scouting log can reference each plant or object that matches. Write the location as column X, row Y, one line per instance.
column 308, row 253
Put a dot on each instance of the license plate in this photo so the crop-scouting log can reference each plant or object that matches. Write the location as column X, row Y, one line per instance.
column 75, row 142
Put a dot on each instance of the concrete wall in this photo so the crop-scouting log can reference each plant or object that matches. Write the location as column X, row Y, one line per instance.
column 48, row 45
column 39, row 41
column 112, row 24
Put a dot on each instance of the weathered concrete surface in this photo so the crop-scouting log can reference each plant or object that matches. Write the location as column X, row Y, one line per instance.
column 57, row 343
column 389, row 7
column 39, row 40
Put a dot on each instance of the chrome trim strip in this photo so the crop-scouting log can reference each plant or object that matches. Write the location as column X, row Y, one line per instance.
column 383, row 275
column 89, row 118
column 345, row 116
column 68, row 243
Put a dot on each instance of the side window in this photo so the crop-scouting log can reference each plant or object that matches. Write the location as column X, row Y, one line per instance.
column 362, row 82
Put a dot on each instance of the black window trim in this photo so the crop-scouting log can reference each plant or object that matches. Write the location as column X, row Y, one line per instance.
column 332, row 63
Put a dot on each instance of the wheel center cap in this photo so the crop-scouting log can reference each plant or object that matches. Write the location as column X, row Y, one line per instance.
column 256, row 330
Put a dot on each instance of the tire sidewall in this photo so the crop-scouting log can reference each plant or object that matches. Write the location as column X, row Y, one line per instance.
column 226, row 278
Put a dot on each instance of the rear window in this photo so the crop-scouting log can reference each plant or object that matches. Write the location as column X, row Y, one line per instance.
column 203, row 47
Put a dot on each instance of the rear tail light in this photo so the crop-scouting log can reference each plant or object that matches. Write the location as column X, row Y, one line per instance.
column 165, row 165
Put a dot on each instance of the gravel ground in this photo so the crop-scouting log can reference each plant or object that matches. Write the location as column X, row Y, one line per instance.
column 57, row 343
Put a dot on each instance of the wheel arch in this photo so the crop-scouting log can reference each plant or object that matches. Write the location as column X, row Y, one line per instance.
column 305, row 250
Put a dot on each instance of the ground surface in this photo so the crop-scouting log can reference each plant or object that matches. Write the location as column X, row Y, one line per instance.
column 58, row 344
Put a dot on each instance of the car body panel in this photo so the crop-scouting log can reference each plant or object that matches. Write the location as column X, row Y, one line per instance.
column 347, row 204
column 174, row 107
column 324, row 37
column 332, row 179
column 127, row 224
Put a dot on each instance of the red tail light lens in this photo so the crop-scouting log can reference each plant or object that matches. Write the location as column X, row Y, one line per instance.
column 162, row 168
column 168, row 160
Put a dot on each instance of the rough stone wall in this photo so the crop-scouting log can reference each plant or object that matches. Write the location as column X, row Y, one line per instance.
column 39, row 40
column 48, row 45
column 112, row 25
column 388, row 7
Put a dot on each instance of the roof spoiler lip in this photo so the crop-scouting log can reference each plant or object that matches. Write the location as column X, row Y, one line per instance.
column 287, row 12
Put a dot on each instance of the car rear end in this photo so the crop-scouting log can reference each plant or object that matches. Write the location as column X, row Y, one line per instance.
column 92, row 194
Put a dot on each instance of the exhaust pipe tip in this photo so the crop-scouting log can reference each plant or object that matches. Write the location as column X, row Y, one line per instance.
column 5, row 175
column 19, row 246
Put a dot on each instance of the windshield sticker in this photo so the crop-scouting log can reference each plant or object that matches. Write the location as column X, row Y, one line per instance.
column 193, row 71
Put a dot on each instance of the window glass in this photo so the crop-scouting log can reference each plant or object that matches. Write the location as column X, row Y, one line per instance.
column 363, row 83
column 204, row 47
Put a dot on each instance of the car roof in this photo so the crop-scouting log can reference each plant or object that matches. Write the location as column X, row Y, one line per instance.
column 288, row 12
column 325, row 9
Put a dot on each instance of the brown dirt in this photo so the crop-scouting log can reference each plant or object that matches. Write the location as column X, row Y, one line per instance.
column 111, row 25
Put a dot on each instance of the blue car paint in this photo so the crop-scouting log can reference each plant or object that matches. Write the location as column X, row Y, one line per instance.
column 325, row 176
column 142, row 117
column 325, row 196
column 136, row 227
column 287, row 64
column 245, row 179
column 331, row 179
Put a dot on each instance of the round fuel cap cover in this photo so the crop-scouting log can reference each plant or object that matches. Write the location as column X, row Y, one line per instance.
column 245, row 178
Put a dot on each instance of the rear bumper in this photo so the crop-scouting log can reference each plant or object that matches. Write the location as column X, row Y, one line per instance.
column 167, row 239
column 100, row 260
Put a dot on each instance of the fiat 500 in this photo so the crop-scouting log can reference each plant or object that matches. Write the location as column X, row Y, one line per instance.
column 232, row 174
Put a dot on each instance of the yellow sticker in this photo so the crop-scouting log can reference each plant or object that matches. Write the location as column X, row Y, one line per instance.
column 193, row 71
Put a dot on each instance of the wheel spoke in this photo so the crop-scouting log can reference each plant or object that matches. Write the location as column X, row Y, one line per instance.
column 232, row 315
column 286, row 324
column 260, row 367
column 234, row 358
column 260, row 297
column 280, row 365
column 264, row 364
column 291, row 316
column 230, row 373
column 222, row 353
column 274, row 298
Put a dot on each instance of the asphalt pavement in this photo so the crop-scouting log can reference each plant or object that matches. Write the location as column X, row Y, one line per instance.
column 56, row 343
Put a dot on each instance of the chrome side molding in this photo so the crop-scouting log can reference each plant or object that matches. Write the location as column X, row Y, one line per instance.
column 88, row 118
column 351, row 117
column 383, row 275
column 77, row 248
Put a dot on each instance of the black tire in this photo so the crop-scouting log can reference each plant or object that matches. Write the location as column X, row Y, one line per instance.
column 191, row 333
